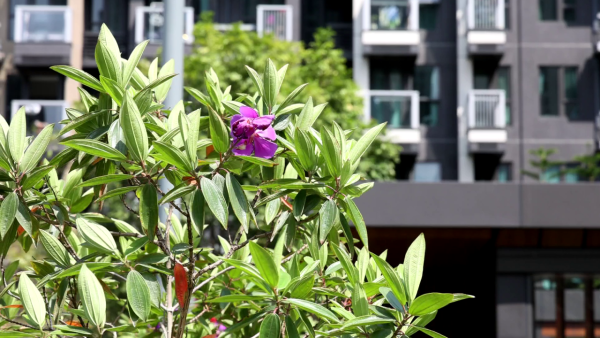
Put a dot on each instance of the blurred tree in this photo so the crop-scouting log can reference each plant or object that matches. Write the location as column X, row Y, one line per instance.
column 587, row 167
column 543, row 164
column 321, row 65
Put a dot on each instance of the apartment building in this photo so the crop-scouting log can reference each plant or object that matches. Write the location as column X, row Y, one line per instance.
column 468, row 88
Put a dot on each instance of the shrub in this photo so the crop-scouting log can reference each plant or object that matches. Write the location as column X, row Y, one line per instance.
column 298, row 272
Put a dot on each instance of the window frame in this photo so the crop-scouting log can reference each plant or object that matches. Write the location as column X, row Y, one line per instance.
column 424, row 99
column 439, row 167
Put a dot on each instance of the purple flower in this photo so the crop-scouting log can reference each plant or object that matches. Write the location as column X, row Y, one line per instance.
column 253, row 134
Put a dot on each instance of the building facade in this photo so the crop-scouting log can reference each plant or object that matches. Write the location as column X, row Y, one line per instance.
column 468, row 87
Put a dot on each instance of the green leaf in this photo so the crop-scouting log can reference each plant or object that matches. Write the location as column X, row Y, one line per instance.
column 92, row 266
column 270, row 84
column 197, row 207
column 148, row 210
column 329, row 218
column 117, row 192
column 215, row 200
column 365, row 321
column 191, row 144
column 313, row 308
column 32, row 300
column 218, row 132
column 79, row 76
column 270, row 327
column 24, row 218
column 35, row 176
column 235, row 299
column 290, row 98
column 360, row 305
column 92, row 296
column 346, row 262
column 332, row 152
column 247, row 268
column 172, row 155
column 55, row 249
column 95, row 148
column 364, row 142
column 87, row 120
column 290, row 328
column 413, row 266
column 391, row 298
column 430, row 302
column 136, row 137
column 422, row 321
column 461, row 296
column 290, row 183
column 307, row 116
column 97, row 236
column 179, row 191
column 303, row 287
column 113, row 89
column 36, row 149
column 358, row 221
column 107, row 55
column 239, row 203
column 166, row 72
column 265, row 264
column 390, row 275
column 198, row 95
column 256, row 80
column 105, row 180
column 305, row 150
column 8, row 212
column 429, row 332
column 132, row 63
column 257, row 160
column 16, row 135
column 138, row 295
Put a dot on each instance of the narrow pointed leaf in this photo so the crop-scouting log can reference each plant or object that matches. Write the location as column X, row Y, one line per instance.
column 265, row 264
column 181, row 283
column 390, row 275
column 238, row 200
column 95, row 148
column 413, row 266
column 79, row 76
column 149, row 210
column 37, row 148
column 329, row 218
column 138, row 295
column 105, row 180
column 136, row 137
column 55, row 249
column 97, row 236
column 430, row 302
column 357, row 219
column 92, row 296
column 16, row 135
column 8, row 211
column 215, row 200
column 313, row 308
column 32, row 300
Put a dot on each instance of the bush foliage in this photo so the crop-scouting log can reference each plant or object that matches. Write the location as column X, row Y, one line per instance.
column 296, row 270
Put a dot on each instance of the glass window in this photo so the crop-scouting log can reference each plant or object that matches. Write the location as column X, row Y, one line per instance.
column 15, row 3
column 548, row 87
column 504, row 173
column 547, row 10
column 571, row 176
column 506, row 14
column 504, row 83
column 551, row 175
column 428, row 16
column 389, row 74
column 427, row 172
column 389, row 14
column 570, row 90
column 395, row 110
column 545, row 306
column 569, row 11
column 427, row 82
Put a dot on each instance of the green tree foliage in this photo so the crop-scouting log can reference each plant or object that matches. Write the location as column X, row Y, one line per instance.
column 320, row 65
column 542, row 164
column 292, row 267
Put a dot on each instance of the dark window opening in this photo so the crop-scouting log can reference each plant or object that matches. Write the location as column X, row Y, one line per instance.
column 428, row 16
column 569, row 11
column 548, row 10
column 549, row 93
column 570, row 92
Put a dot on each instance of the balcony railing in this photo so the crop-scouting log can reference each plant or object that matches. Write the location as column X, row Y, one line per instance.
column 276, row 20
column 486, row 15
column 391, row 15
column 487, row 109
column 34, row 24
column 149, row 24
column 399, row 108
column 38, row 113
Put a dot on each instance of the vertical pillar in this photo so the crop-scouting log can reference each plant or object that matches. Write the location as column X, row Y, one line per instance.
column 297, row 17
column 77, row 7
column 360, row 69
column 464, row 76
column 173, row 49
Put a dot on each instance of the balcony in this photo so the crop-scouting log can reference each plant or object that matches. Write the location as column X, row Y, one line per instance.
column 391, row 27
column 487, row 120
column 38, row 113
column 275, row 19
column 486, row 19
column 149, row 25
column 42, row 35
column 400, row 109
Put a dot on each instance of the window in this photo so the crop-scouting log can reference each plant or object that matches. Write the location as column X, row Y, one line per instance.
column 548, row 10
column 551, row 174
column 504, row 173
column 389, row 14
column 427, row 82
column 569, row 11
column 506, row 14
column 570, row 91
column 560, row 305
column 503, row 82
column 427, row 172
column 15, row 3
column 428, row 13
column 548, row 86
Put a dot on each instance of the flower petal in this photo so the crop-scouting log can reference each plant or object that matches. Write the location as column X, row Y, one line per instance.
column 234, row 119
column 268, row 133
column 263, row 121
column 264, row 148
column 248, row 112
column 244, row 148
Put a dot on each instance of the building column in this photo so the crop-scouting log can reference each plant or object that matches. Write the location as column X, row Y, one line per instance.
column 360, row 63
column 71, row 94
column 464, row 76
column 297, row 17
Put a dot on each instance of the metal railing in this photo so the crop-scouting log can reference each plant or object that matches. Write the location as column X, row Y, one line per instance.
column 486, row 14
column 399, row 108
column 276, row 20
column 487, row 108
column 149, row 24
column 42, row 24
column 391, row 15
column 41, row 111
